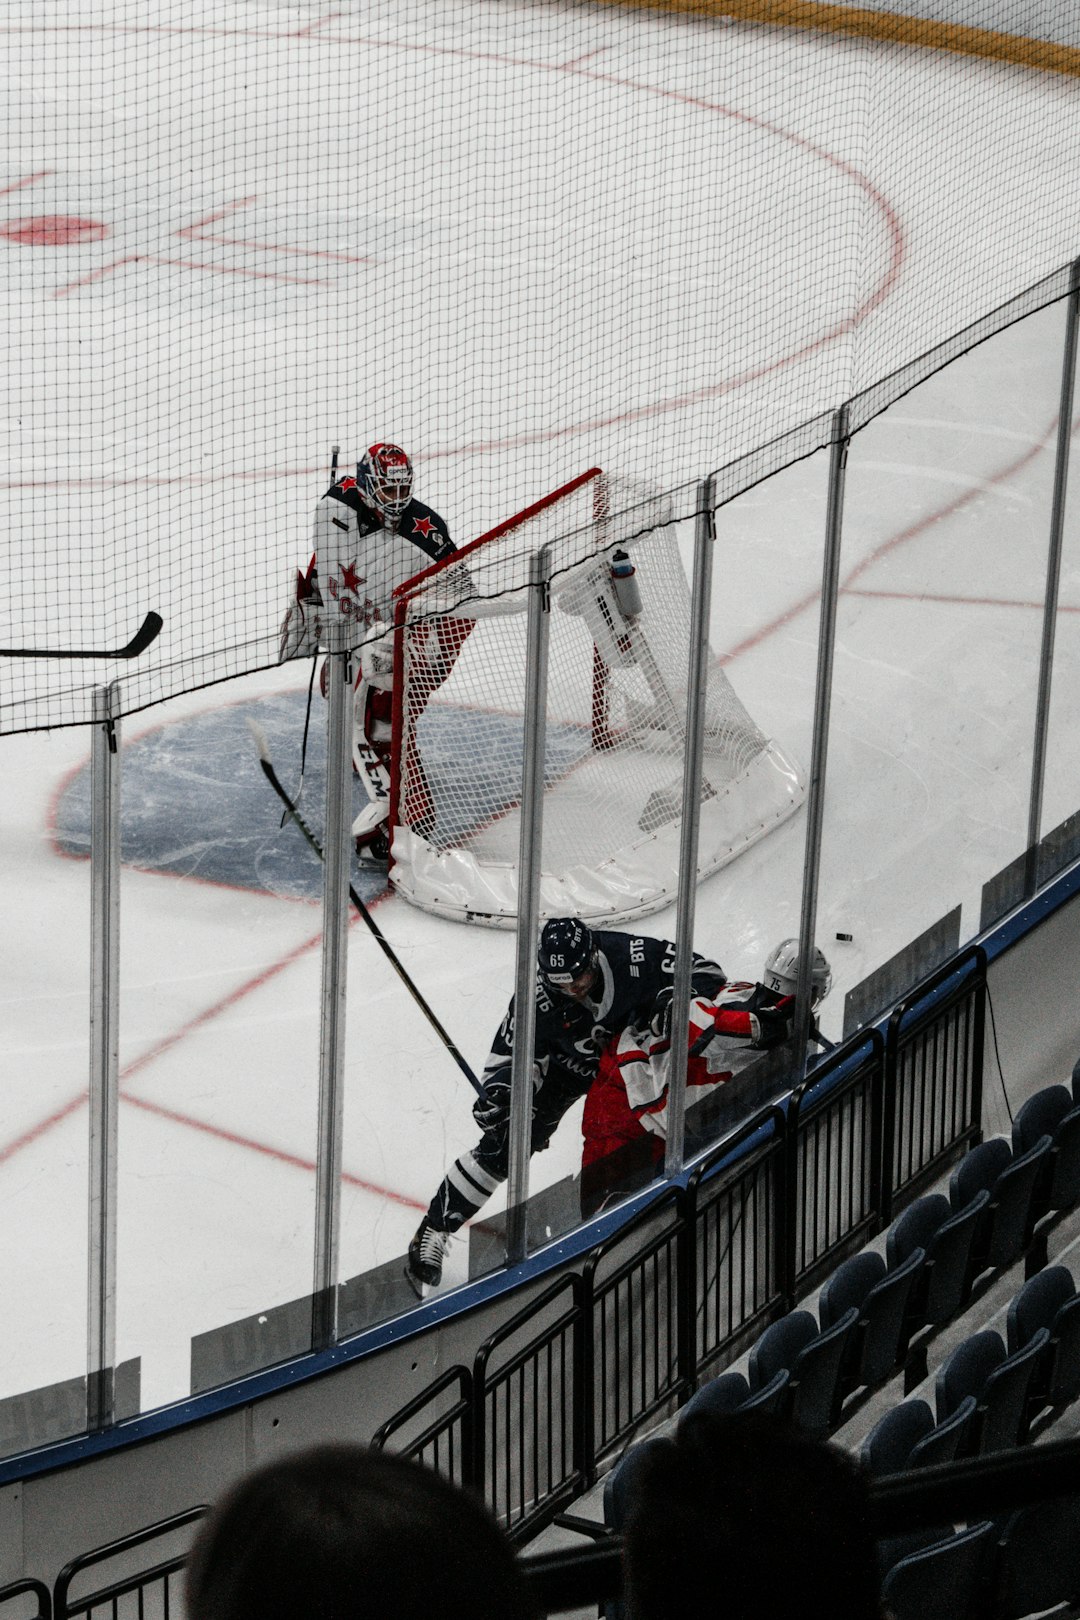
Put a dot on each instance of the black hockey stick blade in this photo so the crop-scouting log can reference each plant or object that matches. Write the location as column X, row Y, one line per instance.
column 365, row 915
column 147, row 632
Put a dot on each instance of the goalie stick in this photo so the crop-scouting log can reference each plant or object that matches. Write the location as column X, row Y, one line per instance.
column 380, row 938
column 144, row 635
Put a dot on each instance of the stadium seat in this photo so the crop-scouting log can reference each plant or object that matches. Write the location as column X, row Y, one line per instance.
column 945, row 1581
column 812, row 1360
column 889, row 1444
column 965, row 1371
column 1003, row 1414
column 777, row 1348
column 815, row 1378
column 621, row 1482
column 915, row 1227
column 1038, row 1564
column 719, row 1396
column 881, row 1296
column 771, row 1396
column 1076, row 1081
column 1049, row 1300
column 946, row 1440
column 947, row 1270
column 1005, row 1224
column 1052, row 1112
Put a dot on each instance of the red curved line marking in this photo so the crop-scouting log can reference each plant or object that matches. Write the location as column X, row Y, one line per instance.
column 634, row 414
column 279, row 1154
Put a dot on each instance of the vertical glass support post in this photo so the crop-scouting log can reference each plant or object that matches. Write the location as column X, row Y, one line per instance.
column 815, row 798
column 334, row 974
column 104, row 1058
column 701, row 599
column 1053, row 578
column 528, row 911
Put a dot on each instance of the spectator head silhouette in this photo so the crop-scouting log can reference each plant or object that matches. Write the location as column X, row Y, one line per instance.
column 338, row 1532
column 746, row 1519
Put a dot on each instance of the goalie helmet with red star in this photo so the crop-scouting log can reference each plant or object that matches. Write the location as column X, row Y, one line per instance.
column 384, row 479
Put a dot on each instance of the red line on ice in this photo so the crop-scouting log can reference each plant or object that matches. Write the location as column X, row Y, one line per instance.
column 30, row 180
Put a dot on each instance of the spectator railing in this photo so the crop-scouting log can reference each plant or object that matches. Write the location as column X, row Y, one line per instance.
column 135, row 1592
column 685, row 1286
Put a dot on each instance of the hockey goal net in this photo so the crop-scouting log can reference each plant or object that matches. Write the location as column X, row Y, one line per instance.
column 615, row 719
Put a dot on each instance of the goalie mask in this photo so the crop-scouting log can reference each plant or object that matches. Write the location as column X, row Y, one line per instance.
column 782, row 971
column 384, row 477
column 567, row 956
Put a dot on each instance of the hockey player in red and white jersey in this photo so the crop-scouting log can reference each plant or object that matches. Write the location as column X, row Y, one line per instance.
column 370, row 536
column 728, row 1031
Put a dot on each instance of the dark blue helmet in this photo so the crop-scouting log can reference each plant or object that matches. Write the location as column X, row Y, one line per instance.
column 566, row 951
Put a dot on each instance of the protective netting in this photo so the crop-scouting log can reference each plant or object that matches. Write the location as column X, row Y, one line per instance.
column 615, row 708
column 519, row 238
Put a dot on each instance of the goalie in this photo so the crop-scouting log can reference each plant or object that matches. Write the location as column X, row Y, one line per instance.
column 370, row 536
column 624, row 1125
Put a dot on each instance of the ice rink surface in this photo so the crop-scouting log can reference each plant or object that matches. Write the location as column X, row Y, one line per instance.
column 431, row 277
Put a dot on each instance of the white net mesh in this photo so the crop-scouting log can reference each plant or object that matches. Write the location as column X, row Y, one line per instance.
column 615, row 721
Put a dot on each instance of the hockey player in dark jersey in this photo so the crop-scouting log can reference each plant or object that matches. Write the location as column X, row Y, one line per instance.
column 590, row 986
column 624, row 1125
column 371, row 535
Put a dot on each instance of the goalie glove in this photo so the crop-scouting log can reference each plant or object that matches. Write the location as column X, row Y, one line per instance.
column 301, row 627
column 377, row 657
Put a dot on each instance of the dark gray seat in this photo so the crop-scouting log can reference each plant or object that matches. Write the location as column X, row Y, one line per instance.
column 965, row 1371
column 815, row 1377
column 1038, row 1564
column 889, row 1444
column 945, row 1581
column 947, row 1440
column 621, row 1483
column 1005, row 1224
column 716, row 1398
column 940, row 1288
column 777, row 1348
column 1003, row 1411
column 881, row 1296
column 1052, row 1112
column 1049, row 1300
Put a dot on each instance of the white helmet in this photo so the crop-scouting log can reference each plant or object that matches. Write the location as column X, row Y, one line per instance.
column 782, row 971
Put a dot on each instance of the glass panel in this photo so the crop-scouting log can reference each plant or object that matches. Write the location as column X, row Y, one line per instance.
column 220, row 936
column 936, row 668
column 763, row 633
column 44, row 1037
column 1060, row 830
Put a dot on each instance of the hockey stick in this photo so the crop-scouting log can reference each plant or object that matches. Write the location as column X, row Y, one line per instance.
column 384, row 944
column 335, row 451
column 144, row 635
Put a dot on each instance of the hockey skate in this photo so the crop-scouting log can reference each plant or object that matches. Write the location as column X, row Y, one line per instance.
column 426, row 1254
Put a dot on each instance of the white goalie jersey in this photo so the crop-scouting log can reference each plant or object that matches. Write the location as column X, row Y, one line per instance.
column 356, row 566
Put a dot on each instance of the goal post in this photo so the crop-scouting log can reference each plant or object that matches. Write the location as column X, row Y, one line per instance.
column 619, row 644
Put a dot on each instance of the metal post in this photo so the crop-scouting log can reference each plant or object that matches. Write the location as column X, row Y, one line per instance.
column 815, row 799
column 1053, row 577
column 528, row 921
column 104, row 1058
column 705, row 535
column 334, row 971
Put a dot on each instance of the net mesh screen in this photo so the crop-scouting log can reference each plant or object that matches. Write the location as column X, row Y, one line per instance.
column 520, row 239
column 615, row 715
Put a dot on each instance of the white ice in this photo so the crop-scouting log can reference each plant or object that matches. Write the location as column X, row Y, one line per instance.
column 597, row 237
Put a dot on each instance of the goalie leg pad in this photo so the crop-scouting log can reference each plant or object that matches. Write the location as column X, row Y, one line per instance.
column 369, row 752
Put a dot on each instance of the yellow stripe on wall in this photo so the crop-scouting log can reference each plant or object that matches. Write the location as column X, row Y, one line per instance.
column 865, row 24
